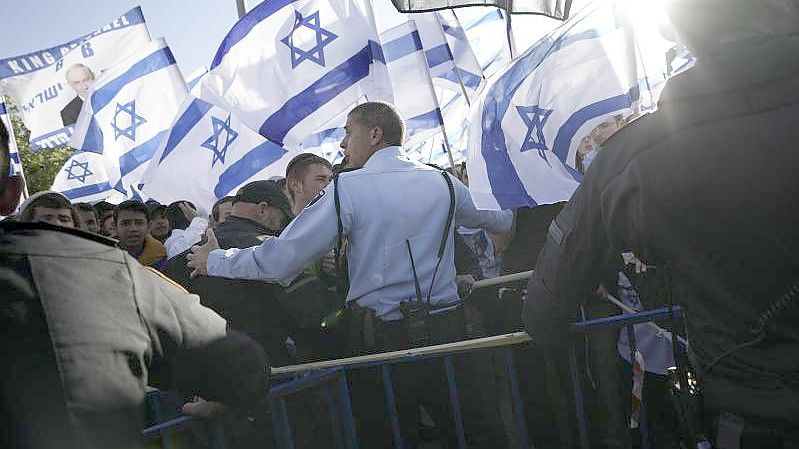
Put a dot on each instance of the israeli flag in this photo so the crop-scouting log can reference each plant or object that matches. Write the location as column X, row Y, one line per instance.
column 83, row 179
column 209, row 153
column 531, row 117
column 487, row 34
column 467, row 74
column 15, row 167
column 128, row 112
column 289, row 66
column 193, row 81
column 401, row 51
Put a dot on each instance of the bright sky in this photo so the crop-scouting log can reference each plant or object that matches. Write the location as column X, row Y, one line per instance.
column 192, row 28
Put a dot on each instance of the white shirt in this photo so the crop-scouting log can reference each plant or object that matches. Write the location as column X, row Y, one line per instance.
column 390, row 200
column 182, row 239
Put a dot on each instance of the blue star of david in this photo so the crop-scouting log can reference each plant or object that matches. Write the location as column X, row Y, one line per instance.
column 213, row 142
column 126, row 115
column 535, row 118
column 315, row 53
column 82, row 176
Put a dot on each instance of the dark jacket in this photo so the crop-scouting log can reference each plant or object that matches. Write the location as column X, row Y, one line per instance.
column 85, row 328
column 249, row 306
column 70, row 113
column 706, row 188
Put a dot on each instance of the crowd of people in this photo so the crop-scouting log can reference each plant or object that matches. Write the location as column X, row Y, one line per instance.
column 689, row 205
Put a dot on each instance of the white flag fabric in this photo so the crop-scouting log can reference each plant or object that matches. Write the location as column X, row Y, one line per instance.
column 531, row 117
column 129, row 110
column 467, row 71
column 288, row 67
column 83, row 179
column 209, row 153
column 487, row 33
column 49, row 86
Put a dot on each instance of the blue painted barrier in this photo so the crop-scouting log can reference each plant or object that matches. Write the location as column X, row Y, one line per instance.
column 331, row 381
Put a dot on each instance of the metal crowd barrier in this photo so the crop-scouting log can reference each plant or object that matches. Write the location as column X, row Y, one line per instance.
column 331, row 377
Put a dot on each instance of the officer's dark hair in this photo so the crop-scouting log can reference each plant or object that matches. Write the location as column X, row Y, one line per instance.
column 5, row 156
column 131, row 206
column 50, row 200
column 215, row 208
column 384, row 116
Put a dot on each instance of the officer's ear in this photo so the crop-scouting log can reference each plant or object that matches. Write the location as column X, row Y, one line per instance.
column 9, row 197
column 376, row 135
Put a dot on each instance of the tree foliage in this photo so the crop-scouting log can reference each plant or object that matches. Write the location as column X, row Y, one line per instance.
column 40, row 166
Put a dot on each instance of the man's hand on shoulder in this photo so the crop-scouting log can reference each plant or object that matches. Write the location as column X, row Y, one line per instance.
column 198, row 258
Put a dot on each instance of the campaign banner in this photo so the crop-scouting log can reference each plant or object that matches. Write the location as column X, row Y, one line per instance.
column 50, row 85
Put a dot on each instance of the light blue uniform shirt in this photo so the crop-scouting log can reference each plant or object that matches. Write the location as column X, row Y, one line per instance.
column 390, row 200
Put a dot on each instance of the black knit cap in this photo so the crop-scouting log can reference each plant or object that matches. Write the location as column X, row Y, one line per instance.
column 264, row 191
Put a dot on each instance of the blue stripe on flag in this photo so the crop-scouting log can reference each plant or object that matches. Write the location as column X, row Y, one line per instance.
column 190, row 85
column 423, row 122
column 376, row 52
column 93, row 139
column 469, row 79
column 155, row 61
column 193, row 113
column 2, row 108
column 316, row 95
column 577, row 120
column 438, row 55
column 250, row 164
column 80, row 192
column 506, row 185
column 246, row 24
column 401, row 46
column 135, row 157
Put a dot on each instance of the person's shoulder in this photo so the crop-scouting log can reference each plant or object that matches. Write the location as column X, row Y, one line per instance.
column 42, row 230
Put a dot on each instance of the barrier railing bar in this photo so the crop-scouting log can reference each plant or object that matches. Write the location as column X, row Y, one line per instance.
column 618, row 321
column 506, row 279
column 391, row 406
column 281, row 424
column 516, row 401
column 333, row 414
column 574, row 372
column 302, row 383
column 172, row 424
column 651, row 324
column 406, row 355
column 454, row 402
column 346, row 410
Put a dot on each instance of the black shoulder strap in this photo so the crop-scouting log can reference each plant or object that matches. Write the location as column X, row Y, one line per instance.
column 445, row 234
column 342, row 279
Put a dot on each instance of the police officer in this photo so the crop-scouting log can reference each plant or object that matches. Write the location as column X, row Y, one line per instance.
column 705, row 189
column 85, row 329
column 394, row 213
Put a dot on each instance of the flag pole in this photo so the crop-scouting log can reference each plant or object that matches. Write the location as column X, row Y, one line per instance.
column 446, row 146
column 241, row 8
column 13, row 139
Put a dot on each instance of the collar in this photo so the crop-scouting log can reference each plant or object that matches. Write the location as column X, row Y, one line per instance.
column 385, row 157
